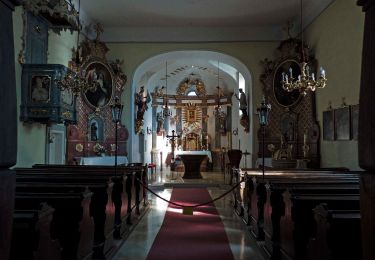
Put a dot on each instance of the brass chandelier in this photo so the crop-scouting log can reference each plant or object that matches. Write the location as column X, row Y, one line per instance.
column 306, row 81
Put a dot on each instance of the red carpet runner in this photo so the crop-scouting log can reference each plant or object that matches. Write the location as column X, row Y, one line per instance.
column 201, row 236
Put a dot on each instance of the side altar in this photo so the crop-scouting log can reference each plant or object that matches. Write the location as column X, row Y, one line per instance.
column 103, row 160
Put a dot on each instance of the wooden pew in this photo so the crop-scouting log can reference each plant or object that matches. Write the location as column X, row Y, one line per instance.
column 31, row 233
column 70, row 210
column 124, row 180
column 252, row 197
column 42, row 181
column 337, row 234
column 109, row 203
column 298, row 225
column 269, row 205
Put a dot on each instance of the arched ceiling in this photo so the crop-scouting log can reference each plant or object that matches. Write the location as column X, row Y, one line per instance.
column 198, row 20
column 180, row 65
column 178, row 70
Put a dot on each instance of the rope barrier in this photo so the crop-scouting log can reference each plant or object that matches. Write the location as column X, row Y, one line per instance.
column 193, row 206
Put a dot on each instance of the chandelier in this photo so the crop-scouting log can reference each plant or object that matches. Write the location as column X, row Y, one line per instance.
column 75, row 77
column 218, row 112
column 167, row 112
column 306, row 81
column 75, row 81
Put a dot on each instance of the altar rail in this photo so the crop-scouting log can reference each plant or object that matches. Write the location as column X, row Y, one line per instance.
column 74, row 212
column 302, row 214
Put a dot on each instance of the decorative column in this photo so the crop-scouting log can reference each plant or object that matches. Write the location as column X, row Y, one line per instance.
column 154, row 150
column 178, row 116
column 8, row 129
column 229, row 127
column 204, row 116
column 366, row 128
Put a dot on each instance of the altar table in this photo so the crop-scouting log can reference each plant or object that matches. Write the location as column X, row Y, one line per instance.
column 208, row 153
column 192, row 163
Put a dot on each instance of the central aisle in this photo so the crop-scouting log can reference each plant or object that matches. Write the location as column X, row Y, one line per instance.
column 138, row 245
column 201, row 235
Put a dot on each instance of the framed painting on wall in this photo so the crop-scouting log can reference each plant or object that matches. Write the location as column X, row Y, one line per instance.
column 354, row 121
column 100, row 75
column 328, row 126
column 342, row 123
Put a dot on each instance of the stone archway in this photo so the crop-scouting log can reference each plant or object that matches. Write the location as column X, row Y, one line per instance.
column 149, row 72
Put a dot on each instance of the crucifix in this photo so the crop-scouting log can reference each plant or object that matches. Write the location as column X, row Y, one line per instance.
column 173, row 143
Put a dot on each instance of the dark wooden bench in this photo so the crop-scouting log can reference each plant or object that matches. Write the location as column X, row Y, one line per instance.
column 269, row 205
column 292, row 230
column 110, row 205
column 31, row 232
column 337, row 234
column 70, row 212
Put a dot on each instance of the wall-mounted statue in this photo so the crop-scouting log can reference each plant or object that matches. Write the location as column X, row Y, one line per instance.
column 142, row 98
column 160, row 121
column 244, row 120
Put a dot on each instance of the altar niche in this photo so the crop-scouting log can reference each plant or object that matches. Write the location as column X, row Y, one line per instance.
column 95, row 128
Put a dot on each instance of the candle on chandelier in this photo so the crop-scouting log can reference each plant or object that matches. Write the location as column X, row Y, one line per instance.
column 291, row 72
column 313, row 76
column 322, row 72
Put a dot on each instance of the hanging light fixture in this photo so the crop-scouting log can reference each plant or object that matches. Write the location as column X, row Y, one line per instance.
column 75, row 78
column 306, row 81
column 218, row 112
column 166, row 109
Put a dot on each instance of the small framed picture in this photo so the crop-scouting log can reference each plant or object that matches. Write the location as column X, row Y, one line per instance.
column 328, row 126
column 40, row 88
column 354, row 121
column 342, row 123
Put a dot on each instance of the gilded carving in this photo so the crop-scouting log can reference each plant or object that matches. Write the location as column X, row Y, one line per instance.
column 195, row 85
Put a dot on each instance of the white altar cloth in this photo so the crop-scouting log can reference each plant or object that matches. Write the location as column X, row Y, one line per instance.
column 208, row 153
column 103, row 160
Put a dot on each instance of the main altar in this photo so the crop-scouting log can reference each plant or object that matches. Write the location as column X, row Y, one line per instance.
column 187, row 122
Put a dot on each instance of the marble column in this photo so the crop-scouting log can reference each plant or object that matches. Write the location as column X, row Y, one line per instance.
column 8, row 128
column 366, row 130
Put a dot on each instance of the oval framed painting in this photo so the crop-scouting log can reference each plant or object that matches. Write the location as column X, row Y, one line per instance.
column 283, row 97
column 99, row 74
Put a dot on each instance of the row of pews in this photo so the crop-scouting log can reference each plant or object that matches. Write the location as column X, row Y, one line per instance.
column 75, row 212
column 301, row 214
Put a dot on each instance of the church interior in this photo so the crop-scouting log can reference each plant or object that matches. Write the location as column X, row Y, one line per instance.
column 180, row 129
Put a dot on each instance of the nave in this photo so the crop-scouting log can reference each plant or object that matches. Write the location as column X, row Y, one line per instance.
column 139, row 243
